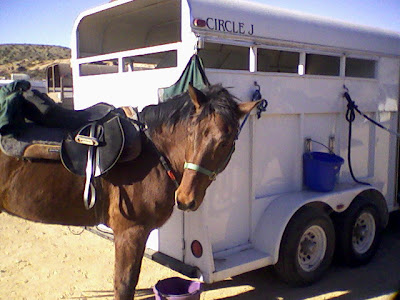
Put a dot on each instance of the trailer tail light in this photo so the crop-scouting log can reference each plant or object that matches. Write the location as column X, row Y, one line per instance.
column 199, row 23
column 197, row 249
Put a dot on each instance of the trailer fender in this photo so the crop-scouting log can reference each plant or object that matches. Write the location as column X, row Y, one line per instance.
column 269, row 230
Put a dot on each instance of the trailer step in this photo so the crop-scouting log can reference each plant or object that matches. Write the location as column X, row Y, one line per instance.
column 239, row 262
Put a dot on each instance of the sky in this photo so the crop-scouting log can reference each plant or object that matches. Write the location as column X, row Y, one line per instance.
column 49, row 22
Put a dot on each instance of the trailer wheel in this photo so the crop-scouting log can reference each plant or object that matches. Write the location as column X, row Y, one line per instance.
column 358, row 233
column 307, row 247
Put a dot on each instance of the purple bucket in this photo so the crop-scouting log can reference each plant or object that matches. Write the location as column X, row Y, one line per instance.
column 176, row 288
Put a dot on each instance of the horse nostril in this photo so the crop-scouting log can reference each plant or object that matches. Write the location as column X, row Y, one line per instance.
column 181, row 206
column 185, row 207
column 192, row 205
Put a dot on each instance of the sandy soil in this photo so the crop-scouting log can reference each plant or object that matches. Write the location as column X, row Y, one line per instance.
column 47, row 262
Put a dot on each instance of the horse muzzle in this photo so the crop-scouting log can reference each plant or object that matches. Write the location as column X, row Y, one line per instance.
column 186, row 202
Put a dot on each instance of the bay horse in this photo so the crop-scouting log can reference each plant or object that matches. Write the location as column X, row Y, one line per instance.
column 194, row 132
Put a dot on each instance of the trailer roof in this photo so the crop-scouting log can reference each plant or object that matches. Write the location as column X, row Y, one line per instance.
column 238, row 18
column 288, row 26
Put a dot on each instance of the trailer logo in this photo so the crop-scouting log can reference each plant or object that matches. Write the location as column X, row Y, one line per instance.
column 225, row 26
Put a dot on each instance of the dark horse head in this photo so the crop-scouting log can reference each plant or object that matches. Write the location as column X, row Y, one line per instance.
column 209, row 124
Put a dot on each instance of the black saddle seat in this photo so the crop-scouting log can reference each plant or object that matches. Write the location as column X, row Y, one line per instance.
column 42, row 110
column 44, row 124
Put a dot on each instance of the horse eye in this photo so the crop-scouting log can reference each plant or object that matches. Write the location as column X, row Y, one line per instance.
column 224, row 144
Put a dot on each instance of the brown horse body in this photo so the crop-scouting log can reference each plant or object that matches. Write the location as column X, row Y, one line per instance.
column 138, row 196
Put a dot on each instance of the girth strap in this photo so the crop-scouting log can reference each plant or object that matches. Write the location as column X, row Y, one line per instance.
column 89, row 193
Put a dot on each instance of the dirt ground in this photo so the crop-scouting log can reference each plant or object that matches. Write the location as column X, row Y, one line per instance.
column 47, row 262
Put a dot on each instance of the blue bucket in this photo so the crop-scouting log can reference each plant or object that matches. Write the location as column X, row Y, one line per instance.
column 176, row 288
column 320, row 170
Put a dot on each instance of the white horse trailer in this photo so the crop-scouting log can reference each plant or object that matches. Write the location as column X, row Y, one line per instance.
column 258, row 212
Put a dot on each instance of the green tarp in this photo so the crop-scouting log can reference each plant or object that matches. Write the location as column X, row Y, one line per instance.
column 11, row 102
column 193, row 73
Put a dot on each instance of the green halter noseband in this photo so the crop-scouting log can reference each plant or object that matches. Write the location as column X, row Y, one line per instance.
column 211, row 175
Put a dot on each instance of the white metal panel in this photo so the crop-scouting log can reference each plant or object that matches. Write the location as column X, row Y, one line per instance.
column 319, row 127
column 196, row 228
column 361, row 147
column 228, row 200
column 277, row 166
column 385, row 159
column 171, row 236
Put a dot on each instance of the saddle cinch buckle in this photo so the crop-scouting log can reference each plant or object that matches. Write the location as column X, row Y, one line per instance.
column 95, row 133
column 86, row 140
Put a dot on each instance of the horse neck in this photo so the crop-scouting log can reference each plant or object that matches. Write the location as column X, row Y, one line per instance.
column 171, row 142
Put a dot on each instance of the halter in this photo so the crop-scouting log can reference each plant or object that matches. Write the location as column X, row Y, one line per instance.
column 190, row 166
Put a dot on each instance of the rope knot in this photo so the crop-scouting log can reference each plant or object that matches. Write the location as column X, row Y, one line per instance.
column 351, row 108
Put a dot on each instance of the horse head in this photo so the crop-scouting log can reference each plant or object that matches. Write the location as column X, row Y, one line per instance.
column 211, row 135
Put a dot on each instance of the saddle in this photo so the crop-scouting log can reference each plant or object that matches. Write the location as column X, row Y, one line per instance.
column 88, row 142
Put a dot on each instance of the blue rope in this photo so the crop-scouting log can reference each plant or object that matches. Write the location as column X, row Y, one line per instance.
column 351, row 105
column 261, row 107
column 350, row 117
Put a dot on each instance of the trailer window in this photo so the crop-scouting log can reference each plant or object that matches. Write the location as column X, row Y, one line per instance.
column 322, row 65
column 99, row 67
column 361, row 68
column 161, row 60
column 221, row 56
column 277, row 61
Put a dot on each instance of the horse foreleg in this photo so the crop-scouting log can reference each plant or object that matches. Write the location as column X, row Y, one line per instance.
column 129, row 249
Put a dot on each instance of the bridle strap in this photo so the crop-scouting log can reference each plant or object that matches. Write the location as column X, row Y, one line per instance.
column 163, row 161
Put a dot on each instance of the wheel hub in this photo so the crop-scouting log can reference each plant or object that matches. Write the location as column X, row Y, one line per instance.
column 363, row 232
column 312, row 248
column 360, row 231
column 308, row 247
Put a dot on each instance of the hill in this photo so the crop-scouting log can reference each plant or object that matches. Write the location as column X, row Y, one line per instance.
column 30, row 59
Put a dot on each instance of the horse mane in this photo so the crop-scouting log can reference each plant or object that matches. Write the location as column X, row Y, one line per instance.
column 180, row 108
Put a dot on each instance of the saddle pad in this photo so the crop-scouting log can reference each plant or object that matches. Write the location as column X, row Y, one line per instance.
column 34, row 142
column 74, row 155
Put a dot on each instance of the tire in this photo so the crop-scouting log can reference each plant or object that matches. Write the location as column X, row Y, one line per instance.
column 358, row 233
column 307, row 247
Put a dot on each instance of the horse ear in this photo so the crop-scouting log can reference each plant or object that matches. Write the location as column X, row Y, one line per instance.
column 197, row 97
column 246, row 107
